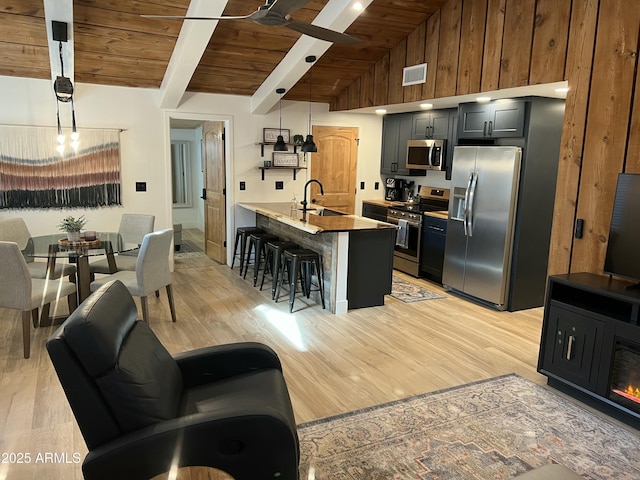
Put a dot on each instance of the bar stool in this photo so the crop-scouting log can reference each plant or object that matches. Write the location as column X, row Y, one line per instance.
column 242, row 236
column 299, row 264
column 257, row 240
column 273, row 262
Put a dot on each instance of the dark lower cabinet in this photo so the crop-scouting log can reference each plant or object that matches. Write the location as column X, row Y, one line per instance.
column 434, row 236
column 590, row 344
column 376, row 212
column 370, row 267
column 573, row 346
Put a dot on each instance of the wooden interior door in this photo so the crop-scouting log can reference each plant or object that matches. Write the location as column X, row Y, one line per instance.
column 335, row 167
column 215, row 232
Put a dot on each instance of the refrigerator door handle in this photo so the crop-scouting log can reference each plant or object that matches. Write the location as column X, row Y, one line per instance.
column 472, row 194
column 466, row 205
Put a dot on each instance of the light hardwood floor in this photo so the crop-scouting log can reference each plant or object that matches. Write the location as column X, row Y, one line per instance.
column 332, row 363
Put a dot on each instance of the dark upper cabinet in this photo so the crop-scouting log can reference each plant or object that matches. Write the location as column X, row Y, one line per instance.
column 396, row 131
column 432, row 124
column 498, row 119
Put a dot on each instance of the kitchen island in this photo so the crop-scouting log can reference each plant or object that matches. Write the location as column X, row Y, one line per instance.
column 357, row 252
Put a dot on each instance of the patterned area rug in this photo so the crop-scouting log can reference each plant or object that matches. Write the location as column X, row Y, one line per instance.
column 188, row 249
column 410, row 292
column 492, row 429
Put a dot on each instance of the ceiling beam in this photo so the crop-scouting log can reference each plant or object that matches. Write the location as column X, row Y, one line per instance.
column 190, row 46
column 336, row 15
column 60, row 11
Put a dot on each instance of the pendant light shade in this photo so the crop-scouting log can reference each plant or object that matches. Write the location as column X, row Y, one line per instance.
column 309, row 145
column 280, row 146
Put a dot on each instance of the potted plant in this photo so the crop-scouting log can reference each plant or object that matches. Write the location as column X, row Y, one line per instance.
column 298, row 139
column 72, row 226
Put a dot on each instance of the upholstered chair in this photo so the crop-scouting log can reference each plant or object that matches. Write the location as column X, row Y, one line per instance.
column 152, row 271
column 18, row 291
column 133, row 227
column 15, row 230
column 143, row 412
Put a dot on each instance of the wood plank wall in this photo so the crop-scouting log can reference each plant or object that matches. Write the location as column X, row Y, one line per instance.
column 480, row 45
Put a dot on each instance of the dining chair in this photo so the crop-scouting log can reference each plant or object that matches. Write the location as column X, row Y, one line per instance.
column 151, row 273
column 133, row 227
column 19, row 291
column 16, row 230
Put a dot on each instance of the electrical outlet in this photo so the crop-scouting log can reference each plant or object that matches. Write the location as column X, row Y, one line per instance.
column 279, row 185
column 376, row 186
column 361, row 185
column 141, row 186
column 243, row 186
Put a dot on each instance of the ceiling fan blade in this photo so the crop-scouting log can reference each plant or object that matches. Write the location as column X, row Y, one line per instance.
column 286, row 7
column 322, row 33
column 172, row 17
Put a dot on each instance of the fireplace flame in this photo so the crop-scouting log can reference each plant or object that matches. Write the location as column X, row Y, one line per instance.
column 631, row 393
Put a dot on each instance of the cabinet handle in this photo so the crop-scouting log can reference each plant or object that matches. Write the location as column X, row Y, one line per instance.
column 572, row 339
column 490, row 128
column 484, row 129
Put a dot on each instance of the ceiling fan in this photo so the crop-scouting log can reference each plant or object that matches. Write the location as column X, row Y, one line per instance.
column 278, row 13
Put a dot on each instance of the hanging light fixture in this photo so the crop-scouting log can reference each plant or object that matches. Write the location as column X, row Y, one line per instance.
column 280, row 146
column 63, row 89
column 309, row 145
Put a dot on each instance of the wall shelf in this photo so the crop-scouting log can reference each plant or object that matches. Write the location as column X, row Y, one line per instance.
column 262, row 144
column 295, row 170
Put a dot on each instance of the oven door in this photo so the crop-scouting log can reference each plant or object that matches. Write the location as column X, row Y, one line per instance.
column 412, row 249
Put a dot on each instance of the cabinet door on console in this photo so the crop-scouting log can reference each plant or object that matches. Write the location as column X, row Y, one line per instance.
column 573, row 346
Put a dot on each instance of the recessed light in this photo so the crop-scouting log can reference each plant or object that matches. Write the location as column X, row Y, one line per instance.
column 381, row 111
column 357, row 6
column 426, row 105
column 483, row 99
column 562, row 90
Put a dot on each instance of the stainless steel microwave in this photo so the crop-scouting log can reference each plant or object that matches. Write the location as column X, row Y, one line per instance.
column 426, row 154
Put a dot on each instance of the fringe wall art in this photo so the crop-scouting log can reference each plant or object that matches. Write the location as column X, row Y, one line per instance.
column 33, row 174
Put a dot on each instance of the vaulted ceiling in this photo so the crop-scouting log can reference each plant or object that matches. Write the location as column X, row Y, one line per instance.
column 114, row 45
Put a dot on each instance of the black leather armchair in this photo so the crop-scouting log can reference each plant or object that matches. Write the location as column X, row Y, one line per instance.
column 142, row 411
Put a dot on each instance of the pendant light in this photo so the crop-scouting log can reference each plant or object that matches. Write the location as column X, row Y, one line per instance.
column 280, row 146
column 63, row 88
column 309, row 145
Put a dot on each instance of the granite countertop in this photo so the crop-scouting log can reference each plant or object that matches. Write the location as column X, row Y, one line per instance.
column 438, row 214
column 384, row 203
column 315, row 223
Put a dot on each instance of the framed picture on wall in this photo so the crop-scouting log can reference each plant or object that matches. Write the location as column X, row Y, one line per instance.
column 270, row 135
column 285, row 159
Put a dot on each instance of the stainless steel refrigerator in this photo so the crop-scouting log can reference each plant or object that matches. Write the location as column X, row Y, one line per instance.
column 482, row 217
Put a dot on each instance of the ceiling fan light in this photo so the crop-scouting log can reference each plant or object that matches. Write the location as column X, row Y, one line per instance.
column 280, row 146
column 309, row 145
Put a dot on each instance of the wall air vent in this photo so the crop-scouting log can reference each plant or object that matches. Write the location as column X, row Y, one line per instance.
column 414, row 75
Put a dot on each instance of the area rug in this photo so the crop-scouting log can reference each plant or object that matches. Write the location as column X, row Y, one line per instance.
column 188, row 249
column 493, row 429
column 410, row 292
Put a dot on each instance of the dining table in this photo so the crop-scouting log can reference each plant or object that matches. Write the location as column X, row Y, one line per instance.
column 56, row 246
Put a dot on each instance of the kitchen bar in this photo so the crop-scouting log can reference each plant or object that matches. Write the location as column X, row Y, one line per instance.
column 354, row 250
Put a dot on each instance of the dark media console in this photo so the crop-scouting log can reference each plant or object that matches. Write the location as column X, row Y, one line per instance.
column 590, row 345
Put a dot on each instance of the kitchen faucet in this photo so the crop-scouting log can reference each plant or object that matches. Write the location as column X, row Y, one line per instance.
column 304, row 201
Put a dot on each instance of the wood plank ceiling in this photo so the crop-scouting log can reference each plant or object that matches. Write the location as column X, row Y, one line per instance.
column 114, row 45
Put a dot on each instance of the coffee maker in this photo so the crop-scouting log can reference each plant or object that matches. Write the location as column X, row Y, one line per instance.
column 394, row 189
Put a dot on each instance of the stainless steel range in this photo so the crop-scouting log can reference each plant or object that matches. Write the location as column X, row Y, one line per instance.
column 406, row 255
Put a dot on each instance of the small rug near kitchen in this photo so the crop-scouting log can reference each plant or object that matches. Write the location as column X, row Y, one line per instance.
column 188, row 249
column 410, row 292
column 492, row 429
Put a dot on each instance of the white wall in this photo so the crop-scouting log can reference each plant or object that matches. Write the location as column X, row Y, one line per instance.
column 145, row 143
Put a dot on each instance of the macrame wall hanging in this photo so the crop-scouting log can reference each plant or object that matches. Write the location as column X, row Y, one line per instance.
column 33, row 174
